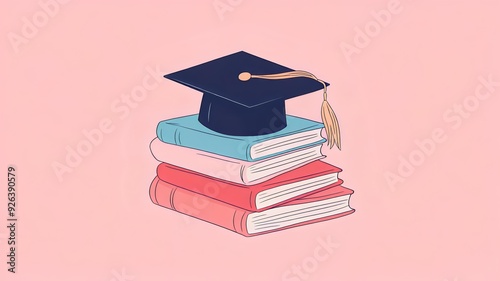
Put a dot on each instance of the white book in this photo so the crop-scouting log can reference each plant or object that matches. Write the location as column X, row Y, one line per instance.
column 230, row 169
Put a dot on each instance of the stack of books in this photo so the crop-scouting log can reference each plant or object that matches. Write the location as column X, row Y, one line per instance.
column 248, row 184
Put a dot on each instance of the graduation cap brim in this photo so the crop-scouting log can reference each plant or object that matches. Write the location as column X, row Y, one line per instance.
column 234, row 107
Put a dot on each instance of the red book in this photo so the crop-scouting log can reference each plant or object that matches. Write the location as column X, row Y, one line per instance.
column 324, row 205
column 299, row 182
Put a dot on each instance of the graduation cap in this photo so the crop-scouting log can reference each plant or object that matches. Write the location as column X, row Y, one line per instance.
column 244, row 95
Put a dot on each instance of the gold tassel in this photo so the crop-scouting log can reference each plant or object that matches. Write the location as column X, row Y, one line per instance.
column 330, row 121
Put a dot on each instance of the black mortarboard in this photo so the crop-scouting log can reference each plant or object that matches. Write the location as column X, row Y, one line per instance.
column 235, row 104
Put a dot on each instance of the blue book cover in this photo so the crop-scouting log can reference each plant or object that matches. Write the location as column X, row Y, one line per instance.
column 187, row 131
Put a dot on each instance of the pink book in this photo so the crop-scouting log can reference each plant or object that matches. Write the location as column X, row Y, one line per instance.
column 230, row 169
column 324, row 205
column 299, row 182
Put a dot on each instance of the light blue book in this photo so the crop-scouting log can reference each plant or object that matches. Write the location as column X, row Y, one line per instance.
column 187, row 131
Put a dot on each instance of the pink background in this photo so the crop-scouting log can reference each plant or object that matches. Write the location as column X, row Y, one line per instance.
column 441, row 223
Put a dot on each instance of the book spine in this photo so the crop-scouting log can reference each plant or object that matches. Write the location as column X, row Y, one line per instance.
column 207, row 186
column 191, row 159
column 227, row 146
column 198, row 206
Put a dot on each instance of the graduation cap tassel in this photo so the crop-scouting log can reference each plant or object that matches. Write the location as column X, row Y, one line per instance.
column 328, row 117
